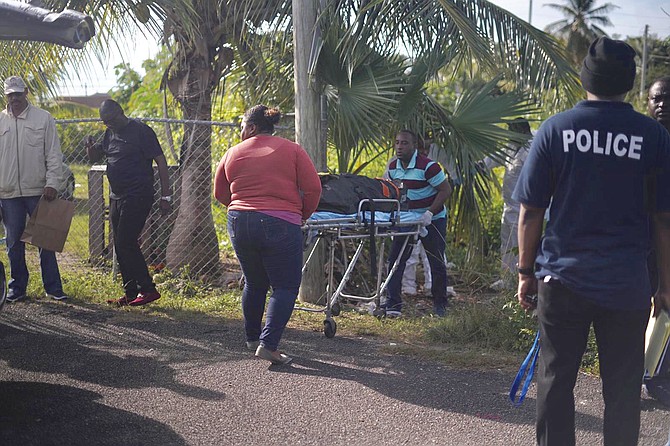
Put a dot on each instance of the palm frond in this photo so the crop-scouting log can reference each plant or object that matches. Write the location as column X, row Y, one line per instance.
column 114, row 21
column 475, row 30
column 474, row 133
column 362, row 101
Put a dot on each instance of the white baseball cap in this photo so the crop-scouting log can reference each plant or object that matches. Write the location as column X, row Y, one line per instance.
column 14, row 84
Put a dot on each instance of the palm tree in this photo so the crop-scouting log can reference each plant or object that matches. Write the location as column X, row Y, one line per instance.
column 210, row 38
column 581, row 25
column 373, row 90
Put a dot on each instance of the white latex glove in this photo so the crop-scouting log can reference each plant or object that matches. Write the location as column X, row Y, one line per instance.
column 426, row 218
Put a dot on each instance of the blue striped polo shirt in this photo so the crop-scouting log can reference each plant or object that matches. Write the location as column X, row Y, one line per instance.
column 421, row 178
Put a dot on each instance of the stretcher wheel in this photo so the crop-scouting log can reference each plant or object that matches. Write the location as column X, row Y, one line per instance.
column 329, row 328
column 335, row 309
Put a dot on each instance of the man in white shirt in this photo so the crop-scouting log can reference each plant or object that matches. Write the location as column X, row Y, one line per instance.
column 31, row 167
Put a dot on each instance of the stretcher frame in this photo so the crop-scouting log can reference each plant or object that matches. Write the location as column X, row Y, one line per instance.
column 362, row 226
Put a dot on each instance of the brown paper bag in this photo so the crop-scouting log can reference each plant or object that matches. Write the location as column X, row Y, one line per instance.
column 49, row 224
column 657, row 338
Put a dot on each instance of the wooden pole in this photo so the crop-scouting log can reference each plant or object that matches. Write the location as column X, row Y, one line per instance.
column 308, row 123
column 307, row 95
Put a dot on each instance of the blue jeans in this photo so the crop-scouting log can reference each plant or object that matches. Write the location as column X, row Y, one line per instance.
column 14, row 212
column 435, row 244
column 269, row 250
column 564, row 321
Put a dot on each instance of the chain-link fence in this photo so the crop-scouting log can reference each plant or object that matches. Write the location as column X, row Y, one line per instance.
column 192, row 239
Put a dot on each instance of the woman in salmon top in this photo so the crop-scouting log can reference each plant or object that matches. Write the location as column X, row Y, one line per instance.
column 270, row 186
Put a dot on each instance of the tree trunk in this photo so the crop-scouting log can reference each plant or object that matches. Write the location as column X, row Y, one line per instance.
column 193, row 243
column 307, row 127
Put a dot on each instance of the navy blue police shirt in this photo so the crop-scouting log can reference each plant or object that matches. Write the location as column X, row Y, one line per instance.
column 593, row 163
column 130, row 153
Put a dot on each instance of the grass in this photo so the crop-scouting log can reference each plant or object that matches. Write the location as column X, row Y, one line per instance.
column 481, row 331
column 474, row 335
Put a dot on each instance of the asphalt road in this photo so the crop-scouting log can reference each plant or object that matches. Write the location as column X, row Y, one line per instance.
column 80, row 374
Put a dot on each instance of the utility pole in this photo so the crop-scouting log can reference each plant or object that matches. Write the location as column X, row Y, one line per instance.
column 307, row 98
column 643, row 76
column 530, row 11
column 308, row 122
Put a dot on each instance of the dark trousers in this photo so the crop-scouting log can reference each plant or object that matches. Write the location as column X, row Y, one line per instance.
column 270, row 253
column 128, row 217
column 435, row 244
column 565, row 319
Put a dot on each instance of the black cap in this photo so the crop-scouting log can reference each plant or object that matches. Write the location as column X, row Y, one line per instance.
column 608, row 68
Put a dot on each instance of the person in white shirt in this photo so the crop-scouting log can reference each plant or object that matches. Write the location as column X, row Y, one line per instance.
column 515, row 157
column 31, row 167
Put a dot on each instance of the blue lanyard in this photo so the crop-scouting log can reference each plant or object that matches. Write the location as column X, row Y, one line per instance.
column 525, row 370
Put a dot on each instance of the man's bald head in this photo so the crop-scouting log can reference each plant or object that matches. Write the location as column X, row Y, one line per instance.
column 112, row 115
column 110, row 105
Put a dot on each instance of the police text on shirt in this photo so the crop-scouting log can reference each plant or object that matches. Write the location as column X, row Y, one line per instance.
column 608, row 144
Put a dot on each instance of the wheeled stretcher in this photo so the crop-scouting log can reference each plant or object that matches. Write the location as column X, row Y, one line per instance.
column 375, row 221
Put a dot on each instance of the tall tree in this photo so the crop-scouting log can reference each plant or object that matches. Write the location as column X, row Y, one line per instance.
column 581, row 25
column 127, row 82
column 208, row 39
column 373, row 90
column 199, row 64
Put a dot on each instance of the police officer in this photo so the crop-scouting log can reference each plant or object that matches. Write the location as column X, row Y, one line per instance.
column 590, row 268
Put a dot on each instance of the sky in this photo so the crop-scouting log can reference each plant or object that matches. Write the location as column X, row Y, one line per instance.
column 103, row 79
column 629, row 19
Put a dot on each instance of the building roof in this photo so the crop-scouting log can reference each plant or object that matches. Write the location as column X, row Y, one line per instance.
column 92, row 101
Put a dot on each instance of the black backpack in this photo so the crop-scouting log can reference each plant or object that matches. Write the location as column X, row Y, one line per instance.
column 342, row 193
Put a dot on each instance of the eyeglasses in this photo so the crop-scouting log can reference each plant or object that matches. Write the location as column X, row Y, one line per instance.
column 657, row 99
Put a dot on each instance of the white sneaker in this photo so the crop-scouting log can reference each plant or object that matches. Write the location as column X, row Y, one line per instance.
column 60, row 296
column 367, row 308
column 393, row 314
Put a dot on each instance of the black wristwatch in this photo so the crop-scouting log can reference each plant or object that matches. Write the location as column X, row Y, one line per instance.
column 528, row 271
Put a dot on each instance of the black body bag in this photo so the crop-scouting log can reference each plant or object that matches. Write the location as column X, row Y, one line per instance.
column 342, row 193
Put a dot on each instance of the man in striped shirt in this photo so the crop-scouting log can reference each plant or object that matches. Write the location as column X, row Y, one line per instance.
column 427, row 190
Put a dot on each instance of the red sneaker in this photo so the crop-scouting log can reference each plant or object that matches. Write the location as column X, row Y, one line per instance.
column 120, row 302
column 145, row 298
